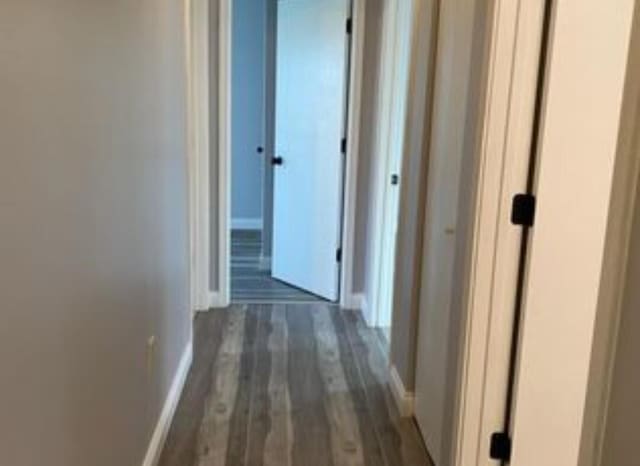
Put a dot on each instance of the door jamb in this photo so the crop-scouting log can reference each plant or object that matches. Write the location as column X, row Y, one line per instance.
column 508, row 91
column 221, row 297
column 587, row 69
column 624, row 199
column 197, row 48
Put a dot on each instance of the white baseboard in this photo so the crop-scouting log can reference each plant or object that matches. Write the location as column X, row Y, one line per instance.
column 405, row 400
column 367, row 312
column 246, row 224
column 168, row 410
column 354, row 301
column 265, row 263
column 216, row 301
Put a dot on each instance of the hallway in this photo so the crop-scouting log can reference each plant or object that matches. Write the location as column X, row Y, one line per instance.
column 289, row 384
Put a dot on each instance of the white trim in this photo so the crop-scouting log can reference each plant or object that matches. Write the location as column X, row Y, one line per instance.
column 353, row 301
column 161, row 429
column 619, row 230
column 578, row 144
column 246, row 224
column 405, row 400
column 509, row 89
column 353, row 149
column 224, row 150
column 197, row 42
column 216, row 301
column 367, row 314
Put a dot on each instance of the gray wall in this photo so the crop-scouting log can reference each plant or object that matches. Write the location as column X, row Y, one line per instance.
column 623, row 417
column 411, row 257
column 94, row 236
column 623, row 414
column 248, row 107
column 464, row 230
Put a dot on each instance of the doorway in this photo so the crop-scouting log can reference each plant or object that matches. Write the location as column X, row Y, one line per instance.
column 290, row 80
column 390, row 145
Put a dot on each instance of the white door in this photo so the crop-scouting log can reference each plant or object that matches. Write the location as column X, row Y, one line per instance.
column 394, row 69
column 311, row 76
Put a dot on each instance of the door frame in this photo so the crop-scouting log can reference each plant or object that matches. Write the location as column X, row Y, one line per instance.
column 578, row 161
column 507, row 88
column 197, row 19
column 624, row 199
column 221, row 297
column 579, row 115
column 396, row 22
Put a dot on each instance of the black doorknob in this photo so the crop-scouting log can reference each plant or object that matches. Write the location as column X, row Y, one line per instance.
column 260, row 150
column 277, row 161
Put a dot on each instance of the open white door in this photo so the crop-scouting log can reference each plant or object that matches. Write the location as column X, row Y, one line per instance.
column 394, row 70
column 311, row 77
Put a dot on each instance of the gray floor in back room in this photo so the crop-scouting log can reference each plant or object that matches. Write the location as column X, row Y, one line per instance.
column 252, row 284
column 289, row 384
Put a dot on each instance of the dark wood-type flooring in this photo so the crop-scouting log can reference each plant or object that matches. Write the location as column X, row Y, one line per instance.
column 289, row 385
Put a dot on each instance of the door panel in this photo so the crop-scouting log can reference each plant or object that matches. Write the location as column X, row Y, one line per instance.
column 395, row 71
column 310, row 120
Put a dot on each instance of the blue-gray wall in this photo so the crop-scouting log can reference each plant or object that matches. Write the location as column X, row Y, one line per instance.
column 248, row 108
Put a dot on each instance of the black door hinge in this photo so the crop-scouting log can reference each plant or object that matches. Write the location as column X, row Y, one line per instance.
column 500, row 448
column 339, row 255
column 523, row 210
column 343, row 146
column 349, row 25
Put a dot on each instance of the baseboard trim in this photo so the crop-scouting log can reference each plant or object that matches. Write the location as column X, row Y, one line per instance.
column 354, row 301
column 246, row 224
column 168, row 410
column 216, row 301
column 367, row 312
column 405, row 400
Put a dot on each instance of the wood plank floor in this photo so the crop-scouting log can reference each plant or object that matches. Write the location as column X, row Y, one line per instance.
column 289, row 385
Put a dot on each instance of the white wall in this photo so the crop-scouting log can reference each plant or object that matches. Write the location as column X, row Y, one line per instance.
column 248, row 110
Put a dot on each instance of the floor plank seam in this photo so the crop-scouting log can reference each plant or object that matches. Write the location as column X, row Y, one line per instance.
column 365, row 392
